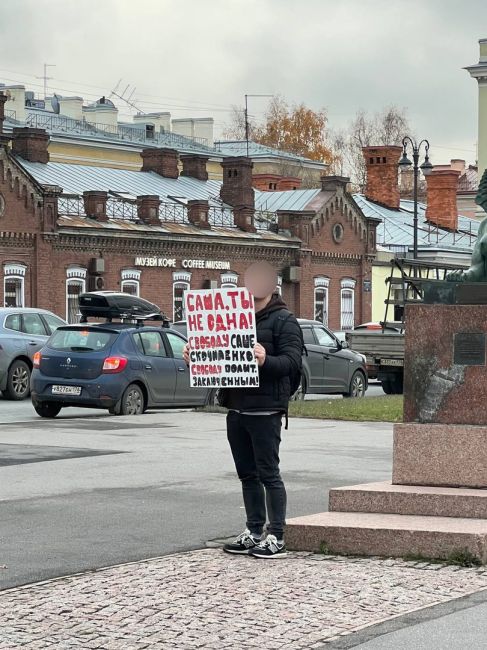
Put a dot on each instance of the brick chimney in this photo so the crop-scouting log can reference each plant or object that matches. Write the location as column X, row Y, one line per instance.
column 266, row 182
column 3, row 99
column 275, row 182
column 30, row 144
column 161, row 161
column 95, row 202
column 441, row 208
column 382, row 175
column 198, row 213
column 194, row 166
column 289, row 183
column 148, row 209
column 237, row 182
column 244, row 218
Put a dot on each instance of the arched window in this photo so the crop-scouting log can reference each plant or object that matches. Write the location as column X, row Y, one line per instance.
column 181, row 284
column 321, row 299
column 14, row 285
column 75, row 285
column 228, row 280
column 347, row 303
column 130, row 282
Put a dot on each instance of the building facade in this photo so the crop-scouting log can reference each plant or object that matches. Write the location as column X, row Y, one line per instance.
column 67, row 228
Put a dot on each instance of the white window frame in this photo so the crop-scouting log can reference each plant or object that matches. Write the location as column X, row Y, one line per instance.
column 130, row 277
column 75, row 276
column 180, row 280
column 322, row 284
column 229, row 280
column 14, row 272
column 279, row 285
column 347, row 318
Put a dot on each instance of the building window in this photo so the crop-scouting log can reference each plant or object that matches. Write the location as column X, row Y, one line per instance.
column 130, row 282
column 228, row 280
column 13, row 285
column 75, row 285
column 321, row 299
column 181, row 284
column 131, row 287
column 347, row 304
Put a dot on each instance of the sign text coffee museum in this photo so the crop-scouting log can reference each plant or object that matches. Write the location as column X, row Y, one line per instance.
column 167, row 262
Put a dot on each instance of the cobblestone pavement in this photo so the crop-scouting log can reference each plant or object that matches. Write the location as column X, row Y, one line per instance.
column 207, row 599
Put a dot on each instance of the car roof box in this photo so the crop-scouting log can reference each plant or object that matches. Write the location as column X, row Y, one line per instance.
column 121, row 306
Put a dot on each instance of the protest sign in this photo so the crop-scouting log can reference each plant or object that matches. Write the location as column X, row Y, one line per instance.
column 222, row 336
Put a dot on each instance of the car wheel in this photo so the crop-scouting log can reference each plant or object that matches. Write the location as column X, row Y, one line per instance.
column 300, row 394
column 132, row 402
column 387, row 386
column 18, row 381
column 357, row 385
column 47, row 409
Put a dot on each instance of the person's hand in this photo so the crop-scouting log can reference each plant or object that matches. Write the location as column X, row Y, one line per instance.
column 186, row 350
column 259, row 352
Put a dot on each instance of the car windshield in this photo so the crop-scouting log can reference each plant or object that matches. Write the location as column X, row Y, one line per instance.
column 81, row 340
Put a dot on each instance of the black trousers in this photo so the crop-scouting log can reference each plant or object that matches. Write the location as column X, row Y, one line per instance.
column 254, row 441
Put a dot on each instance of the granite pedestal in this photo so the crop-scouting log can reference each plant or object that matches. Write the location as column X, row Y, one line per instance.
column 436, row 504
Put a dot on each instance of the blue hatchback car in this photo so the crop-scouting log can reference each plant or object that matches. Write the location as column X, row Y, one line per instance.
column 125, row 368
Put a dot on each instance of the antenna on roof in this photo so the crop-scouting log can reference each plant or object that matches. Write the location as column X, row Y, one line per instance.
column 45, row 77
column 127, row 99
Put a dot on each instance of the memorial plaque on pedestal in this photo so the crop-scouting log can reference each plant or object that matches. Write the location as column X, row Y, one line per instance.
column 469, row 349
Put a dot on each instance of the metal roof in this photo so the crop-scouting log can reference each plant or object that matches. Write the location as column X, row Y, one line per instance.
column 256, row 150
column 75, row 179
column 121, row 133
column 396, row 230
column 78, row 223
column 286, row 200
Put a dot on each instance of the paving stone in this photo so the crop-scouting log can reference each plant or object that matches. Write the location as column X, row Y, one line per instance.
column 211, row 601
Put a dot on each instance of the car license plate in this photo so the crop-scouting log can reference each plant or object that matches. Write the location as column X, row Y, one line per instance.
column 392, row 362
column 66, row 390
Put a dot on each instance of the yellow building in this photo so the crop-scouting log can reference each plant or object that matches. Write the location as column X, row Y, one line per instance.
column 92, row 135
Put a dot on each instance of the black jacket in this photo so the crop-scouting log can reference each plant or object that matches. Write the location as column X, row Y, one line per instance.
column 280, row 334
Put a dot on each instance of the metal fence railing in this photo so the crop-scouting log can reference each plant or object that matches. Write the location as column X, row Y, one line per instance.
column 58, row 124
column 116, row 208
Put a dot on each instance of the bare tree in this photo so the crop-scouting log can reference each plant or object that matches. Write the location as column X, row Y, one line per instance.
column 383, row 128
column 235, row 129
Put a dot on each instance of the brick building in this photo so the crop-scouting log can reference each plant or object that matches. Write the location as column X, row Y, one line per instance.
column 68, row 228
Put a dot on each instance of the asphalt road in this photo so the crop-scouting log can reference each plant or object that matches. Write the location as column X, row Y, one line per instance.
column 84, row 492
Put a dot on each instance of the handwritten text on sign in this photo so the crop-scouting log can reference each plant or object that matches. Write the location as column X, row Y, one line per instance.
column 221, row 333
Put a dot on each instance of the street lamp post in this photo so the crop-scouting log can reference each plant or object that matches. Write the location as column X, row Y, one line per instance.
column 426, row 167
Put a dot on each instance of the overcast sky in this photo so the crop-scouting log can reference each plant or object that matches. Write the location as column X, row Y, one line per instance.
column 198, row 57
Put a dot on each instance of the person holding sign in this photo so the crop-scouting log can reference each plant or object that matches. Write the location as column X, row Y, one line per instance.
column 255, row 412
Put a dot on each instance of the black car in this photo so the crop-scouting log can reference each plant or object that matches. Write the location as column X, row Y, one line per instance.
column 329, row 366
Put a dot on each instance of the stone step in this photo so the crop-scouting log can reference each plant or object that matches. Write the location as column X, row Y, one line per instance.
column 387, row 535
column 387, row 498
